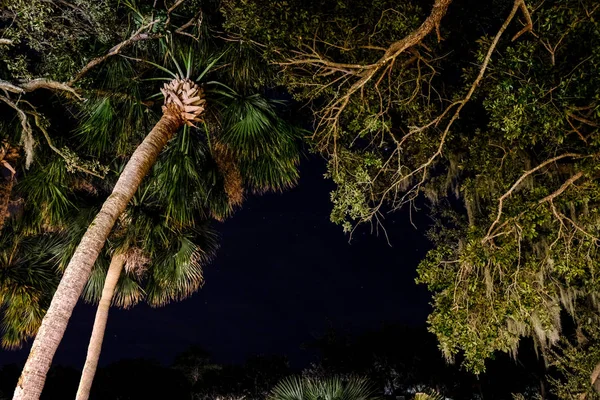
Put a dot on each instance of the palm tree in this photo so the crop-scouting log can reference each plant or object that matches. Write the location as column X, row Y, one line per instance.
column 28, row 278
column 34, row 243
column 332, row 388
column 247, row 127
column 176, row 191
column 162, row 264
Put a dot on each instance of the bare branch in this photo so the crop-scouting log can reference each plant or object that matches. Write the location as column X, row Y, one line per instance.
column 35, row 84
column 41, row 127
column 561, row 189
column 171, row 9
column 26, row 135
column 516, row 185
column 6, row 41
column 136, row 37
column 196, row 19
column 4, row 85
column 423, row 168
column 529, row 23
column 42, row 83
column 331, row 114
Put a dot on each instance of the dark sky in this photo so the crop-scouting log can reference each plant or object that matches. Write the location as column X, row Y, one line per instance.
column 284, row 275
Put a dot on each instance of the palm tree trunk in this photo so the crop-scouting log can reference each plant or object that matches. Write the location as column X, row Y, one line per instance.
column 93, row 354
column 54, row 324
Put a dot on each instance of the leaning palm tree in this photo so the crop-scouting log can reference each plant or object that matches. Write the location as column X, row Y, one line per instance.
column 150, row 261
column 34, row 240
column 183, row 104
column 185, row 197
column 273, row 161
column 332, row 388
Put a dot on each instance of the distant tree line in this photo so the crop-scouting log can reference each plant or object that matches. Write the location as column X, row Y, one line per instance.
column 397, row 361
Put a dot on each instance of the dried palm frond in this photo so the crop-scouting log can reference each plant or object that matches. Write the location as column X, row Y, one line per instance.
column 230, row 170
column 136, row 262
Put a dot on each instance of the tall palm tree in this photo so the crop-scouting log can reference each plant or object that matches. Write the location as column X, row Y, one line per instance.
column 249, row 128
column 161, row 264
column 175, row 183
column 332, row 388
column 183, row 104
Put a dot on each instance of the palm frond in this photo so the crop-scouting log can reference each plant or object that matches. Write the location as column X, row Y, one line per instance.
column 47, row 193
column 177, row 273
column 178, row 180
column 332, row 388
column 28, row 279
column 429, row 396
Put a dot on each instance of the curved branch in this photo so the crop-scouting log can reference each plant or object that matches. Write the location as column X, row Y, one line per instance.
column 41, row 127
column 136, row 37
column 561, row 189
column 423, row 168
column 516, row 185
column 42, row 83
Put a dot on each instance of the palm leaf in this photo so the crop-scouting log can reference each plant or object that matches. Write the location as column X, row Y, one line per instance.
column 332, row 388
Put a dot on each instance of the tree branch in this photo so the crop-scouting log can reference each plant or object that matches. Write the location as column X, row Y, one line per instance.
column 9, row 87
column 529, row 23
column 35, row 84
column 42, row 83
column 41, row 127
column 561, row 189
column 460, row 104
column 137, row 36
column 516, row 185
column 332, row 112
column 27, row 134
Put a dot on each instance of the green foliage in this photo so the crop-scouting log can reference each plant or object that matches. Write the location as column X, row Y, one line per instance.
column 516, row 250
column 265, row 143
column 334, row 388
column 27, row 282
column 575, row 360
column 495, row 282
column 164, row 232
column 56, row 37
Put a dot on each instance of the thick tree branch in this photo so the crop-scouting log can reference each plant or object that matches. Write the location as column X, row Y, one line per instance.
column 35, row 84
column 9, row 87
column 423, row 168
column 42, row 83
column 358, row 75
column 528, row 22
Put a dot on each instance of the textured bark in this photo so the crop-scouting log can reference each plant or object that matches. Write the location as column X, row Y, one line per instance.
column 8, row 155
column 95, row 346
column 6, row 185
column 55, row 321
column 231, row 173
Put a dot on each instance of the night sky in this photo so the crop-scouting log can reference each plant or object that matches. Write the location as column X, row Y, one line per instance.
column 283, row 276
